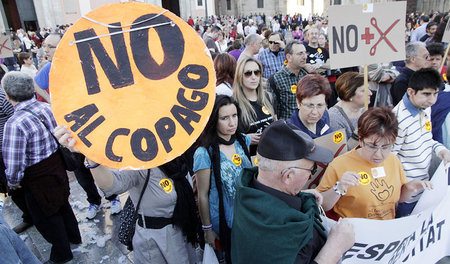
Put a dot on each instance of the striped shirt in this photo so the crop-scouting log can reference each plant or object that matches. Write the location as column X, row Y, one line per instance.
column 414, row 143
column 25, row 140
column 271, row 63
column 6, row 111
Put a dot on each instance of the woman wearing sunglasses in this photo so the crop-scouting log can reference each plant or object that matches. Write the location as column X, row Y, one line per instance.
column 256, row 109
column 312, row 117
column 368, row 181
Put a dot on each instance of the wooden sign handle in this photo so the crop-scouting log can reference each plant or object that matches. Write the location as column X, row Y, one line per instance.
column 366, row 87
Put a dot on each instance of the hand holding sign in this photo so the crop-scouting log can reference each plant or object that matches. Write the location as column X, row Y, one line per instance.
column 134, row 84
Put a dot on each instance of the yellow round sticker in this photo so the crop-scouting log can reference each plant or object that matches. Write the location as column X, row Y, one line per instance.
column 338, row 137
column 236, row 159
column 166, row 185
column 319, row 50
column 428, row 126
column 294, row 88
column 139, row 85
column 365, row 178
column 265, row 110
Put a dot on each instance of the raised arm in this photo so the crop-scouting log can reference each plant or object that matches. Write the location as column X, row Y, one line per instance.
column 102, row 175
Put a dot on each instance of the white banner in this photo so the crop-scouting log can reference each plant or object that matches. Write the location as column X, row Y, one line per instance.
column 420, row 238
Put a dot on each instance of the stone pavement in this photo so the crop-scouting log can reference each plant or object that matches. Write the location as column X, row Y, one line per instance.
column 99, row 236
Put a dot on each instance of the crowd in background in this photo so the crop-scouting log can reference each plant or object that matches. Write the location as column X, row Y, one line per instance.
column 273, row 80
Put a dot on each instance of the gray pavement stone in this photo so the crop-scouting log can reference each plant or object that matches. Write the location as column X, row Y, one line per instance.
column 99, row 235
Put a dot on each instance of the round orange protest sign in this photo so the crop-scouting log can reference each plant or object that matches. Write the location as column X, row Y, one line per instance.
column 134, row 83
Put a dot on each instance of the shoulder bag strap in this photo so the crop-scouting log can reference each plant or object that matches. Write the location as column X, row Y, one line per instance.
column 346, row 117
column 142, row 194
column 43, row 123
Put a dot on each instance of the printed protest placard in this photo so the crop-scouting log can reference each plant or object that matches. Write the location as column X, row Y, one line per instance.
column 134, row 83
column 446, row 37
column 365, row 34
column 337, row 143
column 5, row 47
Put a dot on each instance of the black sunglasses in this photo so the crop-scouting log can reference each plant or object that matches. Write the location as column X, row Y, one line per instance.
column 273, row 42
column 249, row 73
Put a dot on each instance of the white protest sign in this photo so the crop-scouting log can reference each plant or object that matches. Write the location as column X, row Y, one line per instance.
column 446, row 37
column 420, row 238
column 5, row 47
column 432, row 197
column 337, row 143
column 366, row 34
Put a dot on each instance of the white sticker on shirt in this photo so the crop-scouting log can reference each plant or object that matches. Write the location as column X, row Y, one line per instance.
column 378, row 172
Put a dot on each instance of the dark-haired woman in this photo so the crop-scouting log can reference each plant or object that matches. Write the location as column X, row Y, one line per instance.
column 225, row 66
column 312, row 117
column 26, row 60
column 222, row 155
column 368, row 181
column 167, row 224
column 345, row 114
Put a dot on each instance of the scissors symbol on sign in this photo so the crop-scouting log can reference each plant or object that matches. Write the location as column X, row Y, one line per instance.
column 373, row 22
column 4, row 46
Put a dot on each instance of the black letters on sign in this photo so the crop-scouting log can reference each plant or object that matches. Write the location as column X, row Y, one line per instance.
column 178, row 112
column 338, row 41
column 81, row 116
column 120, row 76
column 193, row 105
column 193, row 83
column 165, row 128
column 136, row 144
column 355, row 31
column 172, row 43
column 108, row 150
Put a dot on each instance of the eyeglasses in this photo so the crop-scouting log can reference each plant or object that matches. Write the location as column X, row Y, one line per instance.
column 257, row 73
column 311, row 107
column 312, row 171
column 373, row 148
column 274, row 42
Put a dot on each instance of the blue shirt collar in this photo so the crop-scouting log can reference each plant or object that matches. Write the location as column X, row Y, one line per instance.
column 409, row 105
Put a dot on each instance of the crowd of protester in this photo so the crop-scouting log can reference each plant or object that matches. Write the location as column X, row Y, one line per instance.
column 273, row 98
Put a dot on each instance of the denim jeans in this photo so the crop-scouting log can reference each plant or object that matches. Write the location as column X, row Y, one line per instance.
column 12, row 248
column 85, row 179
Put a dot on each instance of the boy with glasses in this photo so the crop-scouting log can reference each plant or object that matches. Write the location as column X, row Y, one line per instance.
column 414, row 143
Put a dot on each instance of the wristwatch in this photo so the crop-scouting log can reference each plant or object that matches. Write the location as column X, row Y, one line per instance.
column 89, row 166
column 336, row 189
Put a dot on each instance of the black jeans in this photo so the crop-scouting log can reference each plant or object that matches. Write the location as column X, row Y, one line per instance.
column 59, row 229
column 85, row 179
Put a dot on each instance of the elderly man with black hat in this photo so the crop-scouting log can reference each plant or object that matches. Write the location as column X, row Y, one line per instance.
column 276, row 222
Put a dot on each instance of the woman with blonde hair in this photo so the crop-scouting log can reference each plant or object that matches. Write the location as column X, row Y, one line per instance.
column 257, row 111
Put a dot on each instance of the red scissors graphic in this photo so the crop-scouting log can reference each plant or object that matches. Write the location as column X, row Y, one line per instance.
column 4, row 46
column 373, row 22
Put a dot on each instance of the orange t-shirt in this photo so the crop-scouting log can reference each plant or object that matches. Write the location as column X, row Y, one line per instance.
column 374, row 198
